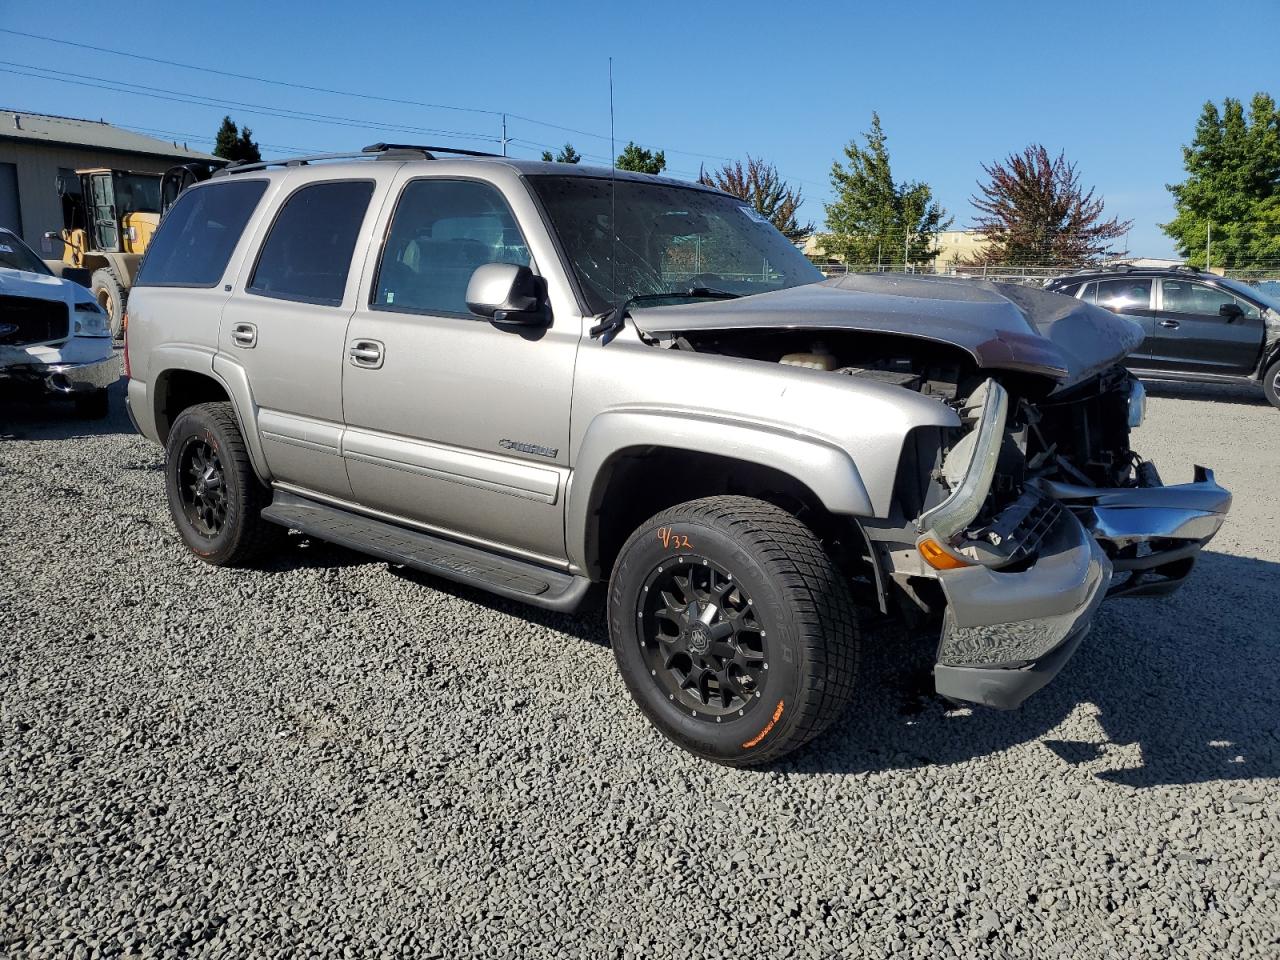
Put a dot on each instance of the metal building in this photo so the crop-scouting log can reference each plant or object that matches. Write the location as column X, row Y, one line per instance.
column 35, row 149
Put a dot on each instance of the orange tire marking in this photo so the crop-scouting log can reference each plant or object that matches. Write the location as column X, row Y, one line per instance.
column 777, row 715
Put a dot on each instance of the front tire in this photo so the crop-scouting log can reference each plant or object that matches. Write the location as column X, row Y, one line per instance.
column 215, row 498
column 734, row 632
column 1271, row 383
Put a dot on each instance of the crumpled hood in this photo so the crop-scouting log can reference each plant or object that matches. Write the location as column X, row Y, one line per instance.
column 1001, row 325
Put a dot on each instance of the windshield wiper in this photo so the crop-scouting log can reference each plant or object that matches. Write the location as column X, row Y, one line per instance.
column 613, row 319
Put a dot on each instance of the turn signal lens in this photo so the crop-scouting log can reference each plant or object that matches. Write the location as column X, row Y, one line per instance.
column 937, row 557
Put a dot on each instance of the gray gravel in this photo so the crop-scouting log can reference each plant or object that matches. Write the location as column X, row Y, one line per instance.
column 331, row 758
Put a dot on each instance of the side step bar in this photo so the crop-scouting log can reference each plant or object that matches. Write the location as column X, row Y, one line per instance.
column 505, row 576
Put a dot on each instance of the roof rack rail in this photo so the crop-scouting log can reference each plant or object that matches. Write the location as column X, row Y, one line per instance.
column 395, row 151
column 376, row 151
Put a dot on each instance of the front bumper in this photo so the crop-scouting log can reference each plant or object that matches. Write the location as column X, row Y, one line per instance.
column 66, row 378
column 1006, row 634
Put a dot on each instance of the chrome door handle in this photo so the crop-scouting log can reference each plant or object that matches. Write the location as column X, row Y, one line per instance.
column 244, row 335
column 1170, row 324
column 366, row 353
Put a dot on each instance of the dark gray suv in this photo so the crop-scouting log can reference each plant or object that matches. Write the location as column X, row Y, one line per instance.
column 1196, row 325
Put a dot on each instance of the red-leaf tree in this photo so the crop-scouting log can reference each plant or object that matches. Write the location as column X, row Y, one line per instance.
column 760, row 185
column 1032, row 210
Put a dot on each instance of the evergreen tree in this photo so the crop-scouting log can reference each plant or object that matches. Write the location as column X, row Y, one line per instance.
column 640, row 160
column 566, row 155
column 235, row 144
column 874, row 220
column 1033, row 211
column 760, row 184
column 1232, row 192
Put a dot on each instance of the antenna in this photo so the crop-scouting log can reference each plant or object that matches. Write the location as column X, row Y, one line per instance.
column 613, row 194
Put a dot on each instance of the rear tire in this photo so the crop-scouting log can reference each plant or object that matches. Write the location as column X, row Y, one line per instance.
column 93, row 406
column 735, row 633
column 215, row 498
column 109, row 292
column 1271, row 383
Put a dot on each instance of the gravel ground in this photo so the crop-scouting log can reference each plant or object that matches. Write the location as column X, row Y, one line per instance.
column 332, row 758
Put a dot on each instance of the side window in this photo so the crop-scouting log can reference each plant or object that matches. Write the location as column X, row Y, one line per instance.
column 195, row 241
column 1124, row 294
column 307, row 253
column 1070, row 290
column 1090, row 294
column 440, row 232
column 1184, row 296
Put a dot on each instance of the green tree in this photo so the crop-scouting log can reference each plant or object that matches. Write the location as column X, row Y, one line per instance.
column 640, row 160
column 235, row 144
column 1232, row 187
column 566, row 155
column 1032, row 210
column 760, row 184
column 873, row 219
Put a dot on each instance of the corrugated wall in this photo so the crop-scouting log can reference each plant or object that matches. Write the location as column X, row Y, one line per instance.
column 37, row 167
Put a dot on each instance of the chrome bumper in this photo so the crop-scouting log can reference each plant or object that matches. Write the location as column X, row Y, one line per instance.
column 1005, row 635
column 66, row 378
column 1152, row 534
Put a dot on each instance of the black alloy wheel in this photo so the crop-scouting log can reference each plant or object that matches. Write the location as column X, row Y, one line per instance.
column 701, row 638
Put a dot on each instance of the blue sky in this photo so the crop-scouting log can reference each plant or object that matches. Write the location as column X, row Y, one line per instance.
column 1117, row 85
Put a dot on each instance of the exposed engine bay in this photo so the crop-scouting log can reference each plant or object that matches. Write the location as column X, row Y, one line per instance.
column 1056, row 448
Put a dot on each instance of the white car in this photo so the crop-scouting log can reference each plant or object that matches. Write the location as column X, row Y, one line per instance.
column 53, row 335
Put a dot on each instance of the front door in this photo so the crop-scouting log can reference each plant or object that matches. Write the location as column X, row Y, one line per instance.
column 1194, row 337
column 102, row 204
column 454, row 422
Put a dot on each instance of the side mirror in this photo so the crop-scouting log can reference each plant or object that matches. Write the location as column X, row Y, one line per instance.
column 508, row 293
column 49, row 239
column 1231, row 311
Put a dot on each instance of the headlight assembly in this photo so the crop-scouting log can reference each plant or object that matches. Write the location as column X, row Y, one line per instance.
column 91, row 320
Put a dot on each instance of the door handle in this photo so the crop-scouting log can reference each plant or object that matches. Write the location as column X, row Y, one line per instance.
column 1170, row 324
column 245, row 335
column 366, row 353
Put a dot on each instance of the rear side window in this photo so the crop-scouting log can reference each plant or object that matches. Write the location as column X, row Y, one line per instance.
column 194, row 243
column 307, row 253
column 442, row 230
column 1119, row 295
column 1068, row 290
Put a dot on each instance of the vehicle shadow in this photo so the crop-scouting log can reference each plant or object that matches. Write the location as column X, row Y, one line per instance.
column 1192, row 680
column 24, row 416
column 1217, row 392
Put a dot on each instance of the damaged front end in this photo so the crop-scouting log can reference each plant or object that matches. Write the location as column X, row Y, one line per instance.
column 1042, row 512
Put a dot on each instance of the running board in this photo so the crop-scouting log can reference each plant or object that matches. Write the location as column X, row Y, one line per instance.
column 505, row 576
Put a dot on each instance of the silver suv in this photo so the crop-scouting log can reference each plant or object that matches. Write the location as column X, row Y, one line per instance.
column 535, row 377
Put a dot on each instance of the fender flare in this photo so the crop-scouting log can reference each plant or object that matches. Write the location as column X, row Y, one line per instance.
column 827, row 470
column 227, row 374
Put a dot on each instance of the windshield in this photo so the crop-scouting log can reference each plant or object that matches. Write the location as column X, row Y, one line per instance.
column 1266, row 296
column 16, row 255
column 669, row 239
column 137, row 193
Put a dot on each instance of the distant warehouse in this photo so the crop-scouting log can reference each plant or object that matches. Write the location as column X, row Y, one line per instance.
column 37, row 151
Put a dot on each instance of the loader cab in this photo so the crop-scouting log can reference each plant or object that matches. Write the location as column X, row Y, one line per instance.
column 116, row 209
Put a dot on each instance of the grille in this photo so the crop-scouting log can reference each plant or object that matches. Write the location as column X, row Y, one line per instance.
column 25, row 320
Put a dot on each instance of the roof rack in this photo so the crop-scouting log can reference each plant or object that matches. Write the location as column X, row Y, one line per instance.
column 375, row 151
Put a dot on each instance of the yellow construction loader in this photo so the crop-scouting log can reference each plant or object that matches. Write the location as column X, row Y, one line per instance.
column 108, row 219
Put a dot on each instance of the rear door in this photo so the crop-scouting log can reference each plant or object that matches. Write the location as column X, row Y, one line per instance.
column 286, row 323
column 1131, row 297
column 1195, row 338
